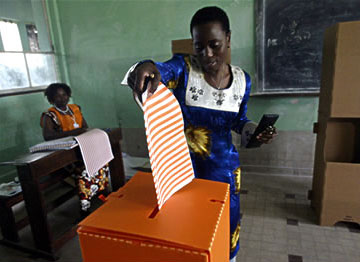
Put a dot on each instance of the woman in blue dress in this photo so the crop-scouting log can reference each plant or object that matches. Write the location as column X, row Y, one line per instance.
column 213, row 97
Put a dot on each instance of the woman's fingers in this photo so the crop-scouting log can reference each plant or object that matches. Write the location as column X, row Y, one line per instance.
column 135, row 94
column 138, row 82
column 268, row 135
column 146, row 77
column 153, row 82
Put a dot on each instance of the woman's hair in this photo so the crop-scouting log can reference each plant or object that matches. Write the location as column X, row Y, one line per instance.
column 51, row 90
column 208, row 15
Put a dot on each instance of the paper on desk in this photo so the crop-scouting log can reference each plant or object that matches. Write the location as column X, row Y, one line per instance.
column 169, row 154
column 63, row 143
column 9, row 189
column 95, row 149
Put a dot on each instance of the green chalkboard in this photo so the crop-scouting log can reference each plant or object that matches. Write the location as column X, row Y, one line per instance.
column 290, row 38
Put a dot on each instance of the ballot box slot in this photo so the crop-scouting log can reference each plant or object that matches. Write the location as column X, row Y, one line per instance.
column 154, row 212
column 217, row 201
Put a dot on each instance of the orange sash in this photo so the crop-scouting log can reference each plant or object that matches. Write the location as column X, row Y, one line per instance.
column 67, row 121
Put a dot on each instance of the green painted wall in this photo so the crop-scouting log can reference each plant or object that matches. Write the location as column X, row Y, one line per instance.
column 96, row 41
column 296, row 113
column 102, row 39
column 19, row 127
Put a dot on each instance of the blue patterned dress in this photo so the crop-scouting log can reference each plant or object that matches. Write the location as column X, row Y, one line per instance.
column 209, row 116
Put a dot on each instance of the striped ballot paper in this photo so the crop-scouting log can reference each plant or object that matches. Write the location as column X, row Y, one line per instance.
column 169, row 154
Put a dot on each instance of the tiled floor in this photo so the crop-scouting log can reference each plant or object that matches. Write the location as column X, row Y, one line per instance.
column 277, row 225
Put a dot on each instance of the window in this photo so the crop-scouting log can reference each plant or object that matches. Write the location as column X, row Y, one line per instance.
column 23, row 70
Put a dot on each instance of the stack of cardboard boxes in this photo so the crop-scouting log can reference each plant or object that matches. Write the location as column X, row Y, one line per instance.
column 336, row 182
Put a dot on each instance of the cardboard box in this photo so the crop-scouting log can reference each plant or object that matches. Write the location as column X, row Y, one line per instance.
column 336, row 180
column 193, row 225
column 335, row 192
column 185, row 46
column 340, row 81
column 182, row 46
column 341, row 196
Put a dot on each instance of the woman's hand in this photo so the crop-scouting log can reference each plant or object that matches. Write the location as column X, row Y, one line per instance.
column 138, row 79
column 268, row 135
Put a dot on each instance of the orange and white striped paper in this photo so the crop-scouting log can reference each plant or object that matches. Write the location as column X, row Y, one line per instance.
column 169, row 154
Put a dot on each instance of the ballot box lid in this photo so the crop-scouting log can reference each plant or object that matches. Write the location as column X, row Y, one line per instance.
column 189, row 218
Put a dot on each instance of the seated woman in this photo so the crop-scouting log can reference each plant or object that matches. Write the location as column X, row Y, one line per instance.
column 62, row 120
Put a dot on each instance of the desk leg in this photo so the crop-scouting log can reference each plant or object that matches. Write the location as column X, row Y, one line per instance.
column 117, row 168
column 7, row 222
column 35, row 208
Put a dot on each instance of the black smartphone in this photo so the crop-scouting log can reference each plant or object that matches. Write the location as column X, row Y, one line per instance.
column 266, row 121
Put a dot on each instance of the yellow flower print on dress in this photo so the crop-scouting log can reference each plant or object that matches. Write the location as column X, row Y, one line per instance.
column 235, row 237
column 237, row 178
column 198, row 139
column 172, row 84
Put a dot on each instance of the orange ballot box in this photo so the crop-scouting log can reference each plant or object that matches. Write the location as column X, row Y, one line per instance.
column 192, row 226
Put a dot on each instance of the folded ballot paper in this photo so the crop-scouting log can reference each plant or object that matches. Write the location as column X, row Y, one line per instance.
column 95, row 149
column 56, row 144
column 168, row 151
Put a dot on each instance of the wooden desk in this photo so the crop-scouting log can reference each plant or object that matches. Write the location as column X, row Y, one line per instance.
column 31, row 168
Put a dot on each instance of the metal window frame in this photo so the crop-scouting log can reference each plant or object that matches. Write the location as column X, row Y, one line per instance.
column 30, row 89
